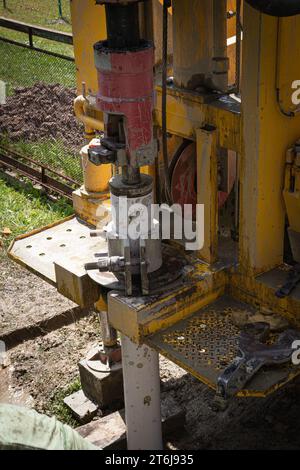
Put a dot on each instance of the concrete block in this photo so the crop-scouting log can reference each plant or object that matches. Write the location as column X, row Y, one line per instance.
column 104, row 388
column 82, row 408
column 109, row 432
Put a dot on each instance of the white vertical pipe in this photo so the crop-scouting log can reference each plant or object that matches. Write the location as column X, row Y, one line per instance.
column 142, row 396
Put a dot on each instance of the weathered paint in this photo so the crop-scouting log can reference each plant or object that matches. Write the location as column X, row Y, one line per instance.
column 125, row 81
column 267, row 134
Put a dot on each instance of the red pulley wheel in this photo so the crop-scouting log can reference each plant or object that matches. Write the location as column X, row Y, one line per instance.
column 184, row 177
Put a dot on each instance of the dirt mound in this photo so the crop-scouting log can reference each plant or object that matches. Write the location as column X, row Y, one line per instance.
column 42, row 111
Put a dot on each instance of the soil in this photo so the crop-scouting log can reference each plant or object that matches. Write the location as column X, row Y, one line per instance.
column 250, row 423
column 25, row 299
column 48, row 364
column 42, row 111
column 41, row 367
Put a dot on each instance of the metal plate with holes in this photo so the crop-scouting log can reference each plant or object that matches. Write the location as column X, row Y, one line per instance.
column 60, row 248
column 207, row 342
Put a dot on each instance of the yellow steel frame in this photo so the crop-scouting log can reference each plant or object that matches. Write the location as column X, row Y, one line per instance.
column 260, row 135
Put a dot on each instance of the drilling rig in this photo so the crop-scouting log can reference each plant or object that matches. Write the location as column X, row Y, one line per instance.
column 184, row 103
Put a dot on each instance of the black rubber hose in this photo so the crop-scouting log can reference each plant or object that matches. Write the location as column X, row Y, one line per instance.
column 276, row 7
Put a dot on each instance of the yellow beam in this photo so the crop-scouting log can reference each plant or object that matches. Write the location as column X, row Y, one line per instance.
column 267, row 134
column 187, row 111
column 207, row 190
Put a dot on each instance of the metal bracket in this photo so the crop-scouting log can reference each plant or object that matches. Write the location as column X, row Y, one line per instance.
column 291, row 284
column 253, row 354
column 100, row 155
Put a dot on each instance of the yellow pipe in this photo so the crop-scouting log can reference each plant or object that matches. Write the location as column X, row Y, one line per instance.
column 95, row 178
column 91, row 124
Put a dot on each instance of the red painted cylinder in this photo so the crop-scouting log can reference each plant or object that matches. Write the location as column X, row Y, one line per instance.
column 125, row 79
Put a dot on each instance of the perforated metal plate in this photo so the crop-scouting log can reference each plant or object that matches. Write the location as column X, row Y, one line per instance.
column 57, row 253
column 207, row 342
column 67, row 242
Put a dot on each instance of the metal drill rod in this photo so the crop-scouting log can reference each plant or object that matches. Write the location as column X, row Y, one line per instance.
column 122, row 22
column 108, row 333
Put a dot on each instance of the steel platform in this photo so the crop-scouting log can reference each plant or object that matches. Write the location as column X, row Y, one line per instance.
column 205, row 343
column 57, row 253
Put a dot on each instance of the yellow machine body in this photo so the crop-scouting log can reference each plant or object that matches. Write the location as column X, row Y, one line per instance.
column 260, row 131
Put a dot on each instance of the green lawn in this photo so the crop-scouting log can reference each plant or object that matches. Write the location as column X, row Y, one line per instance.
column 24, row 209
column 19, row 66
column 40, row 12
column 24, row 67
column 52, row 153
column 46, row 44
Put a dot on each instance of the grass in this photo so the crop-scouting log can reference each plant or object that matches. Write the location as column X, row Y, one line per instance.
column 24, row 67
column 24, row 209
column 53, row 46
column 53, row 153
column 57, row 407
column 41, row 12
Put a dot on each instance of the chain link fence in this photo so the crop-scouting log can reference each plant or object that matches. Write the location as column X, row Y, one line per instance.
column 36, row 102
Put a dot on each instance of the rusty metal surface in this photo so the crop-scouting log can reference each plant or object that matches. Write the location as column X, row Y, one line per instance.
column 141, row 316
column 184, row 176
column 207, row 342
